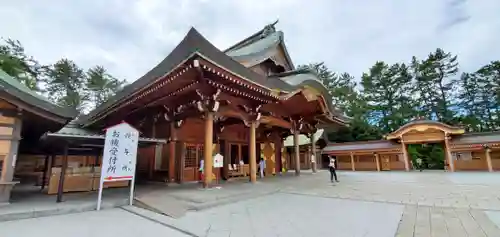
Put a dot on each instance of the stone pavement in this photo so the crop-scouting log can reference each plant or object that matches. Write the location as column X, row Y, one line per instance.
column 362, row 204
column 30, row 205
column 104, row 223
column 440, row 189
column 397, row 204
column 288, row 215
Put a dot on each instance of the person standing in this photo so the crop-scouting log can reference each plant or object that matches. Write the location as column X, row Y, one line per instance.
column 262, row 166
column 201, row 169
column 332, row 167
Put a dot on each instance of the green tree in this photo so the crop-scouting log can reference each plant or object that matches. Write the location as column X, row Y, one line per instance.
column 100, row 85
column 435, row 83
column 469, row 102
column 15, row 62
column 65, row 84
column 385, row 89
column 488, row 80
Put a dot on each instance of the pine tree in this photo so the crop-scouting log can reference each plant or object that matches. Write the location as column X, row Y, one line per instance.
column 65, row 84
column 15, row 62
column 436, row 83
column 385, row 89
column 100, row 85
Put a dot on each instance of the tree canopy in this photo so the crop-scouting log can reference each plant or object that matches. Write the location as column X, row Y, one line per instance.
column 63, row 82
column 387, row 96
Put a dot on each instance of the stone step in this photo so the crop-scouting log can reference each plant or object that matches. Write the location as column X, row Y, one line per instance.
column 162, row 203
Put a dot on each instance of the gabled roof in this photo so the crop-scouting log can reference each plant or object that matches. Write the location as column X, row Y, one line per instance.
column 16, row 89
column 260, row 46
column 424, row 123
column 193, row 44
column 298, row 79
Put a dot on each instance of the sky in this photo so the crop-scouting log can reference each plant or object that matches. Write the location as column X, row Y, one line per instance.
column 129, row 37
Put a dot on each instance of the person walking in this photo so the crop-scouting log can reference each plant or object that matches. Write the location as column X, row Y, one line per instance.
column 332, row 167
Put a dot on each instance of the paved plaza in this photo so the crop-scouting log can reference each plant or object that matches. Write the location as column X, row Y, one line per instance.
column 362, row 204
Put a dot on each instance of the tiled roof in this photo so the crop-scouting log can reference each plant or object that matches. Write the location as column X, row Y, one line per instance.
column 74, row 131
column 477, row 138
column 16, row 89
column 360, row 146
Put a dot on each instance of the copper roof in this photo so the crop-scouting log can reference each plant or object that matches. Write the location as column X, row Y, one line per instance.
column 360, row 146
column 477, row 138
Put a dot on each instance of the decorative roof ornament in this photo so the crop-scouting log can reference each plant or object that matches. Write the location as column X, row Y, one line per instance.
column 269, row 29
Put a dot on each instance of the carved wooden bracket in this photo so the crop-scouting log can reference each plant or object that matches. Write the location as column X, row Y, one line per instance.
column 254, row 114
column 297, row 125
column 170, row 114
column 208, row 103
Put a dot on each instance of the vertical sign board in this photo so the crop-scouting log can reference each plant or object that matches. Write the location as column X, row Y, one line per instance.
column 119, row 157
column 218, row 162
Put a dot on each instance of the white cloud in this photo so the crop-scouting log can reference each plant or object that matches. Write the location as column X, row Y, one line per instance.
column 130, row 37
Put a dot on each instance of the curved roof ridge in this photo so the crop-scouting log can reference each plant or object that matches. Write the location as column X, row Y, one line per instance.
column 252, row 38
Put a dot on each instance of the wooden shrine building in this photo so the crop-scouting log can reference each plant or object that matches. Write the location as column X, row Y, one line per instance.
column 241, row 102
column 462, row 151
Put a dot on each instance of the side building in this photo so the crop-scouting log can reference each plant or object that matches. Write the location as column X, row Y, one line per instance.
column 462, row 151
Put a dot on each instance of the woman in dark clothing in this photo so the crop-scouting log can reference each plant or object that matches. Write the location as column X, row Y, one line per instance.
column 332, row 167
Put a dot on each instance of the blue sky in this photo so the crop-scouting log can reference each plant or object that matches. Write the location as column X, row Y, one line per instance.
column 130, row 37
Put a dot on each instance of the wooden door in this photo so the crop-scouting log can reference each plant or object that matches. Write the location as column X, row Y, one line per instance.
column 194, row 153
column 385, row 161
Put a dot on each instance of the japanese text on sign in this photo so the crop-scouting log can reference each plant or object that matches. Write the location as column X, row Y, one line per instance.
column 120, row 151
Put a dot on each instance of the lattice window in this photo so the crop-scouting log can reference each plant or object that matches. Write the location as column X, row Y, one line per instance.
column 191, row 160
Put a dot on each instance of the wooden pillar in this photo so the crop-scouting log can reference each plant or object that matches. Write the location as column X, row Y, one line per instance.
column 207, row 149
column 377, row 161
column 47, row 170
column 180, row 159
column 152, row 160
column 171, row 149
column 277, row 155
column 64, row 166
column 252, row 149
column 296, row 151
column 448, row 153
column 9, row 163
column 406, row 158
column 353, row 163
column 487, row 152
column 313, row 153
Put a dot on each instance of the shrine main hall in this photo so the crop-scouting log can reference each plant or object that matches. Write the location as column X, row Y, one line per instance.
column 241, row 102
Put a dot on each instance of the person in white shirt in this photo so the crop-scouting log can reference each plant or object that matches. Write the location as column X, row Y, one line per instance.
column 201, row 169
column 332, row 168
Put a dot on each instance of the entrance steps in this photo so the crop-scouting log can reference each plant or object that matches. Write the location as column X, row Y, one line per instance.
column 161, row 202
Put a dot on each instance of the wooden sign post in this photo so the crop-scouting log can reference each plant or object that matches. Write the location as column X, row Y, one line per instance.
column 119, row 157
